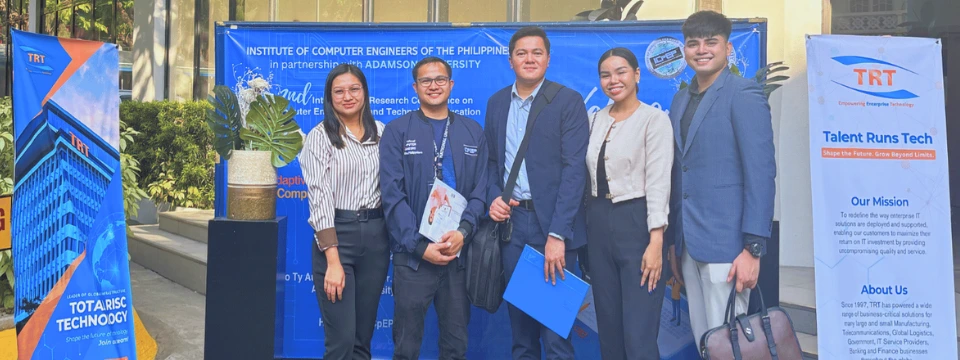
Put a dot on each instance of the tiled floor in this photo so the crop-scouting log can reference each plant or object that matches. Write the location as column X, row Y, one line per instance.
column 797, row 286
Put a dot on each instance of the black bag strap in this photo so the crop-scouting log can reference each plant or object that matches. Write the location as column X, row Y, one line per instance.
column 543, row 98
column 731, row 320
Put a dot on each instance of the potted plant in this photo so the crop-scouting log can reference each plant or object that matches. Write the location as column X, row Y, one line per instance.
column 255, row 131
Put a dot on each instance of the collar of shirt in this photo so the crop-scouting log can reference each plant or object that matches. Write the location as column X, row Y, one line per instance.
column 533, row 95
column 694, row 88
column 353, row 137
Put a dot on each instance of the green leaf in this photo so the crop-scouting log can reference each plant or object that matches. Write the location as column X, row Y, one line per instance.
column 224, row 120
column 270, row 127
column 777, row 79
column 10, row 276
column 734, row 69
column 8, row 302
column 770, row 88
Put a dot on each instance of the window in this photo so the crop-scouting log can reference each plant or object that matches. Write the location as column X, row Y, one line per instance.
column 181, row 50
column 554, row 10
column 477, row 11
column 400, row 10
column 882, row 5
column 859, row 6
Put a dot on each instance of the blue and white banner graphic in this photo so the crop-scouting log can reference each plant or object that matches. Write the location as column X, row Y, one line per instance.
column 73, row 297
column 881, row 198
column 295, row 59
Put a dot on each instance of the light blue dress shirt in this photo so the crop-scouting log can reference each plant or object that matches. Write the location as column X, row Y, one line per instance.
column 516, row 128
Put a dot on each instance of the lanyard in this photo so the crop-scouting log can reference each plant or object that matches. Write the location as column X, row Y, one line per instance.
column 438, row 153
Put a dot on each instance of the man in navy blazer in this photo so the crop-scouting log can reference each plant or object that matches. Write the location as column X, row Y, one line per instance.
column 723, row 176
column 546, row 207
column 417, row 149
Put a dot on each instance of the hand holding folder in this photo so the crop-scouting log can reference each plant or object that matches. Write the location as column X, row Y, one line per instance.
column 554, row 306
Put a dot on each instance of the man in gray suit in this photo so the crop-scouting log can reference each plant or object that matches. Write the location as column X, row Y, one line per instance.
column 723, row 176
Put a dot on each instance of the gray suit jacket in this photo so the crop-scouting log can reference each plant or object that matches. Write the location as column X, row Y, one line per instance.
column 723, row 175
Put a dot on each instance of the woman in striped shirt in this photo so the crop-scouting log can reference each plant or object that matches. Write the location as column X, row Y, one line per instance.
column 341, row 166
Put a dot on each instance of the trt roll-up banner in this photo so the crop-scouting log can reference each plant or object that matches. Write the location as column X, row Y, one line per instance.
column 881, row 204
column 73, row 297
column 294, row 59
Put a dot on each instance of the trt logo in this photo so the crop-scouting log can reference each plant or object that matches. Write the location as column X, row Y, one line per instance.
column 36, row 58
column 77, row 143
column 874, row 77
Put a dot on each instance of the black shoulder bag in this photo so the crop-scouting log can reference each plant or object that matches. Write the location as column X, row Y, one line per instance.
column 485, row 280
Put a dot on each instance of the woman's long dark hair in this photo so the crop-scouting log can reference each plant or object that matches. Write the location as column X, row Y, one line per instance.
column 331, row 121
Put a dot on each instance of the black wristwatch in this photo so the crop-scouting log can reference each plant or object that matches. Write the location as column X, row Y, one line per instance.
column 463, row 232
column 755, row 249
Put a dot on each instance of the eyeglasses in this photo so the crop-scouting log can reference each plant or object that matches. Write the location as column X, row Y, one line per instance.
column 439, row 80
column 354, row 92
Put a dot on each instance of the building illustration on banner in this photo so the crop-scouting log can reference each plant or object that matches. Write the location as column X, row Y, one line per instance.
column 66, row 168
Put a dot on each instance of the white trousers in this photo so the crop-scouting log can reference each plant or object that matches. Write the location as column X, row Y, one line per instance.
column 707, row 294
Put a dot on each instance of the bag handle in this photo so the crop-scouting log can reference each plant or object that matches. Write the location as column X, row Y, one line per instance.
column 543, row 98
column 731, row 320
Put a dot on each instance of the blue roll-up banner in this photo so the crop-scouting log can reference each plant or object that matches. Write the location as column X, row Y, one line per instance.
column 73, row 298
column 294, row 58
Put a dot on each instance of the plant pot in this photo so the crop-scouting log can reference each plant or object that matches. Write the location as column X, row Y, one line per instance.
column 251, row 186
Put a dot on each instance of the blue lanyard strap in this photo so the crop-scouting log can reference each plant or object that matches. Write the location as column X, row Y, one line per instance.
column 438, row 152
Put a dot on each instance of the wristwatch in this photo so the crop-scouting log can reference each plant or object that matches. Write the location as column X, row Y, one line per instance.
column 463, row 232
column 755, row 249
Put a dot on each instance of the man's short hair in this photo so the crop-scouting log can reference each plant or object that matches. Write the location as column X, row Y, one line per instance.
column 429, row 60
column 706, row 24
column 529, row 31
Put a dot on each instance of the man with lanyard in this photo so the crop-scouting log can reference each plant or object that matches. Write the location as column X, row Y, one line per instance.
column 417, row 149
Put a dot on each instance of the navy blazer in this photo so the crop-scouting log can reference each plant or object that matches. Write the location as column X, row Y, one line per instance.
column 555, row 161
column 723, row 175
column 407, row 171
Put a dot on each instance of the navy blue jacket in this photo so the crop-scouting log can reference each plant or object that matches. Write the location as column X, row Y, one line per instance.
column 555, row 160
column 407, row 171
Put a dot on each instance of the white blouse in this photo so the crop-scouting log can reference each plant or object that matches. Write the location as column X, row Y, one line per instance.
column 638, row 159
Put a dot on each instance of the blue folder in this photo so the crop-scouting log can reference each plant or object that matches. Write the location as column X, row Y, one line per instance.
column 554, row 306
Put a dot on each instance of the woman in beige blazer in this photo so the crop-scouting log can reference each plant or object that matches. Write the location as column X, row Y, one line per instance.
column 629, row 158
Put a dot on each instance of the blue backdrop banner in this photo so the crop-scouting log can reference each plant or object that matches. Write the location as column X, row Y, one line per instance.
column 294, row 60
column 73, row 297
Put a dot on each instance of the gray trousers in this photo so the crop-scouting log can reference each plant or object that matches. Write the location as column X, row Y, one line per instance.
column 707, row 294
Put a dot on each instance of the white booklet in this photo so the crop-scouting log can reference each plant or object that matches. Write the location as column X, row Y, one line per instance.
column 442, row 213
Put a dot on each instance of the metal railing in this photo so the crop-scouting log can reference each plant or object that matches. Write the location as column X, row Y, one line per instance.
column 870, row 23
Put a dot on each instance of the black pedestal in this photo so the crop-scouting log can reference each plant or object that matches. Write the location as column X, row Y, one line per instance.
column 244, row 279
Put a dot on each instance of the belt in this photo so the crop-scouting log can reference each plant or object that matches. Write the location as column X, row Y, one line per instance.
column 526, row 204
column 361, row 215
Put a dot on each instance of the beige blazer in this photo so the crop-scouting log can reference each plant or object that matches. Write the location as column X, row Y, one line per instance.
column 638, row 161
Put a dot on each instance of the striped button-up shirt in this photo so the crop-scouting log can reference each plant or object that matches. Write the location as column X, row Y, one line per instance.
column 346, row 179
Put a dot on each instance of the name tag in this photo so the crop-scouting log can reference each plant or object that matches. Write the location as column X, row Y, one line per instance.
column 470, row 150
column 410, row 148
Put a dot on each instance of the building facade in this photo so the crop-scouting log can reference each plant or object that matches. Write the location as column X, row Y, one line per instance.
column 64, row 169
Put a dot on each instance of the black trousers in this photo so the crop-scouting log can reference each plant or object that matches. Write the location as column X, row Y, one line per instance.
column 527, row 332
column 628, row 317
column 413, row 291
column 365, row 255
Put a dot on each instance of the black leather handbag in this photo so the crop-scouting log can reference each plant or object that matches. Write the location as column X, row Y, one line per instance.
column 484, row 266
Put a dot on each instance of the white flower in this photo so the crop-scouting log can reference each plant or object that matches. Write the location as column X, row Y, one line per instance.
column 259, row 84
column 248, row 96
